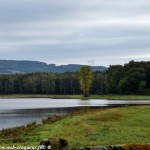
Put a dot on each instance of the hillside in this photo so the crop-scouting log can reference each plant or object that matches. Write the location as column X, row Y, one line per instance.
column 13, row 66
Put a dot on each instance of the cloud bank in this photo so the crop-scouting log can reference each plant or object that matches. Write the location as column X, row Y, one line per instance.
column 99, row 32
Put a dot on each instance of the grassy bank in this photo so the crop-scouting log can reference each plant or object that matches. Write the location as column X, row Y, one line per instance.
column 108, row 96
column 87, row 128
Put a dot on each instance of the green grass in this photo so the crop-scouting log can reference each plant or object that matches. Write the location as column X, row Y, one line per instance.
column 87, row 128
column 107, row 96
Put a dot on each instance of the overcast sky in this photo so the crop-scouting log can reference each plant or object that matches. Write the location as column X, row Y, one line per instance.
column 94, row 32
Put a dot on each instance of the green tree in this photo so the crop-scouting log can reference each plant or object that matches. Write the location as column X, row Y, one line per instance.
column 114, row 74
column 85, row 76
column 133, row 82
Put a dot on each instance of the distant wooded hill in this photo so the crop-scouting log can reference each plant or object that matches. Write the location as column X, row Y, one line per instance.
column 13, row 66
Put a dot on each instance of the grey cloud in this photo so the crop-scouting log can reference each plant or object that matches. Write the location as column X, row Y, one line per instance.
column 26, row 10
column 57, row 31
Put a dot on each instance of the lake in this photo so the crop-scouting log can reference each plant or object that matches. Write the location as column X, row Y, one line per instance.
column 16, row 112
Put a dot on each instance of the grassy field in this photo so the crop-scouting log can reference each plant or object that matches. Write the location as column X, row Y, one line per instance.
column 108, row 96
column 87, row 128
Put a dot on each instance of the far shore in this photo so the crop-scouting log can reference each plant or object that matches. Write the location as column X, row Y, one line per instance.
column 107, row 96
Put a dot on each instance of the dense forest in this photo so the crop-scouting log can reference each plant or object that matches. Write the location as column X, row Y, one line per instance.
column 132, row 78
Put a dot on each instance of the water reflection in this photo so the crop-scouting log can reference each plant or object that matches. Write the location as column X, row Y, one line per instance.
column 17, row 117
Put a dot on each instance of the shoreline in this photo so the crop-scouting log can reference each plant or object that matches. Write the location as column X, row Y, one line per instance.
column 98, row 124
column 106, row 97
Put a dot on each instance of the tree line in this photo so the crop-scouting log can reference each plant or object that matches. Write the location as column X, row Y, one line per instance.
column 48, row 83
column 131, row 78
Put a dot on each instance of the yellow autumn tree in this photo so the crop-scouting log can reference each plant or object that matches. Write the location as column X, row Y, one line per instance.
column 85, row 77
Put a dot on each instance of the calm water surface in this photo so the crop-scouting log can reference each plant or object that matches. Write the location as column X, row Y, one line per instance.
column 16, row 112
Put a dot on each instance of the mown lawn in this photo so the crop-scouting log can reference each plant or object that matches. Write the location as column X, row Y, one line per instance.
column 88, row 128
